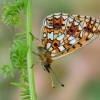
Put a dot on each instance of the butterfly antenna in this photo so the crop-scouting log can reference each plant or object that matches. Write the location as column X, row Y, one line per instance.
column 56, row 78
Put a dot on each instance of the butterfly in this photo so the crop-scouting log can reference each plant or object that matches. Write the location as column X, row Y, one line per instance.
column 63, row 34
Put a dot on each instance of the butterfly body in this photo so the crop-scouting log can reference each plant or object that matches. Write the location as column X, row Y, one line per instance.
column 45, row 61
column 62, row 34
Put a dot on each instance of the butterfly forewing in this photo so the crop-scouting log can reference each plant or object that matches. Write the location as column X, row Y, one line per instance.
column 63, row 33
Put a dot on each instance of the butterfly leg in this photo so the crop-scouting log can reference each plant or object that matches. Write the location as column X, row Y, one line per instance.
column 35, row 53
column 35, row 64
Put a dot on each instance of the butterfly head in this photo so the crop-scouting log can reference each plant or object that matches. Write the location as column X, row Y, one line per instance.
column 46, row 66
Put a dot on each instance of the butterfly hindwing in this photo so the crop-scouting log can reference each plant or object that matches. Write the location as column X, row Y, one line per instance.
column 63, row 33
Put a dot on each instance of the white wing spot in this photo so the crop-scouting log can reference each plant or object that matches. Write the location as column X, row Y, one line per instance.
column 48, row 45
column 75, row 23
column 61, row 48
column 54, row 51
column 73, row 41
column 57, row 16
column 70, row 38
column 49, row 26
column 50, row 49
column 70, row 19
column 64, row 17
column 50, row 35
column 53, row 54
column 67, row 35
column 44, row 35
column 59, row 34
column 81, row 34
column 45, row 24
column 80, row 28
column 60, row 37
column 55, row 36
column 61, row 41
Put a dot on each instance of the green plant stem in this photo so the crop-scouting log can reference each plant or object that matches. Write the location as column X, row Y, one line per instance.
column 29, row 54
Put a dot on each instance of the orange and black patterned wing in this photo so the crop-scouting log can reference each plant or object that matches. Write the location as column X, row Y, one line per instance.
column 63, row 34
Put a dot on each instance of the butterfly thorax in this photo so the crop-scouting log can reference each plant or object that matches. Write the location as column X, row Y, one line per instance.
column 46, row 61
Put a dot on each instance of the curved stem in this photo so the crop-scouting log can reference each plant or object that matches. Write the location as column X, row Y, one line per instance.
column 29, row 54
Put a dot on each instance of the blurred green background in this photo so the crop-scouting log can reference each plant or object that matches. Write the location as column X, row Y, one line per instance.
column 79, row 71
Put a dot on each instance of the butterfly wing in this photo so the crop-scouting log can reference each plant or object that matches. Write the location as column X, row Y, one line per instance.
column 63, row 33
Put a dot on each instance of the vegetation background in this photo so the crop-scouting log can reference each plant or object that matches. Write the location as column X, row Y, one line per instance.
column 79, row 71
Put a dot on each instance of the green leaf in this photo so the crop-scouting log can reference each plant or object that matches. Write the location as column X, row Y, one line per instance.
column 12, row 11
column 7, row 70
column 20, row 85
column 25, row 93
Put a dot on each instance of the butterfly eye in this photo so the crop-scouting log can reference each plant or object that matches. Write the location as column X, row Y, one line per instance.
column 46, row 66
